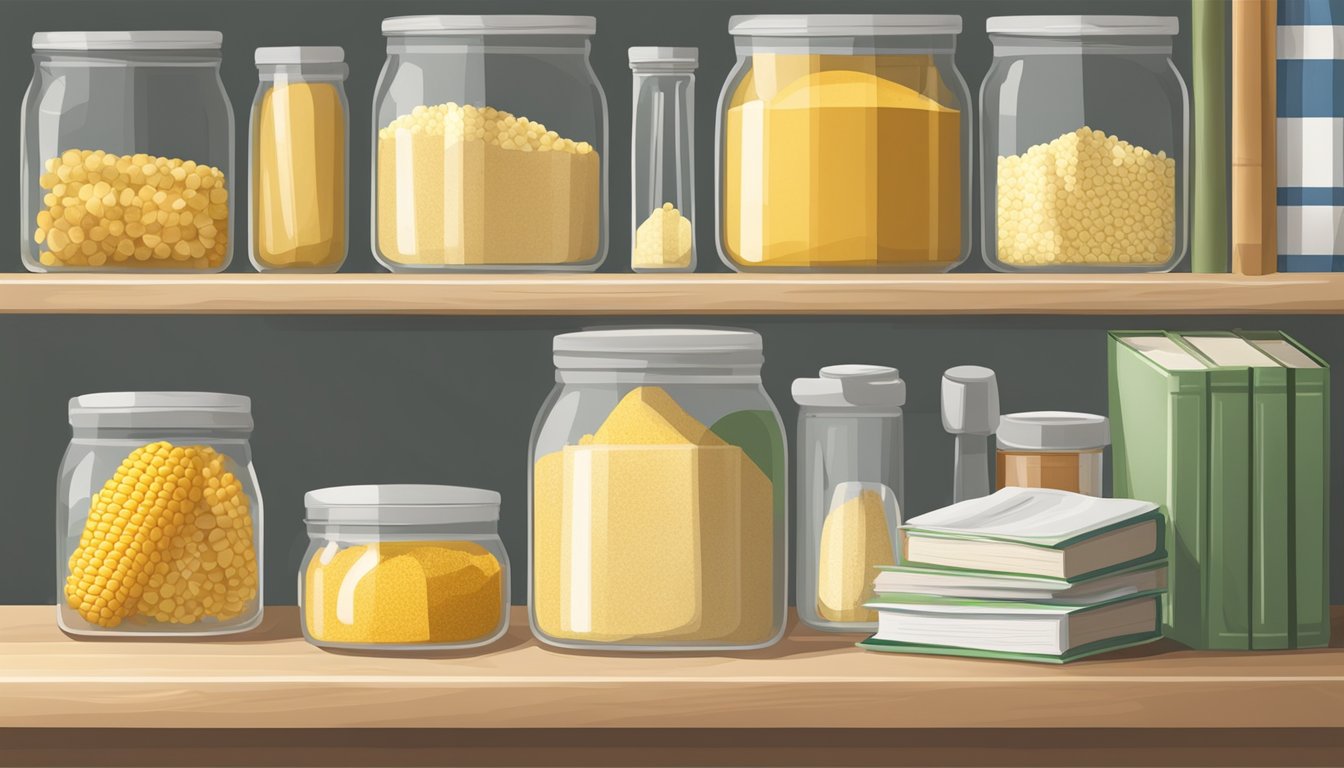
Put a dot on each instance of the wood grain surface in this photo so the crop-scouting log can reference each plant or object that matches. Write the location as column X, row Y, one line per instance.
column 1254, row 181
column 272, row 678
column 704, row 294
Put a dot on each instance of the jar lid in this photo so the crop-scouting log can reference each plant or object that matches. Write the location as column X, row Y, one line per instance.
column 1053, row 431
column 844, row 24
column 682, row 57
column 135, row 40
column 490, row 25
column 643, row 348
column 1082, row 26
column 852, row 386
column 301, row 54
column 161, row 410
column 401, row 504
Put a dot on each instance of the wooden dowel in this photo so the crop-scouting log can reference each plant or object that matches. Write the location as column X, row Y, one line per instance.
column 1254, row 207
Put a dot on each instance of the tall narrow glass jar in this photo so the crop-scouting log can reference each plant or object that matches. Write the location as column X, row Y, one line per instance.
column 851, row 490
column 662, row 159
column 299, row 157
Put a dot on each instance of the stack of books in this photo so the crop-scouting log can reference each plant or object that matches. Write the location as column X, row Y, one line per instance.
column 1028, row 574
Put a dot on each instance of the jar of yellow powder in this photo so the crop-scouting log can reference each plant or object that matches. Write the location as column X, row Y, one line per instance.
column 158, row 516
column 128, row 153
column 844, row 144
column 403, row 568
column 489, row 146
column 299, row 154
column 658, row 494
column 851, row 490
column 1085, row 126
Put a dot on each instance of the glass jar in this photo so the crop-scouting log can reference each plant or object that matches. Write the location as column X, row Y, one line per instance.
column 662, row 154
column 658, row 500
column 128, row 153
column 1085, row 122
column 851, row 490
column 299, row 157
column 844, row 145
column 158, row 516
column 1053, row 449
column 489, row 145
column 403, row 568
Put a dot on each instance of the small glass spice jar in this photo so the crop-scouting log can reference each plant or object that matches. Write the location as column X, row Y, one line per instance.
column 1053, row 449
column 662, row 159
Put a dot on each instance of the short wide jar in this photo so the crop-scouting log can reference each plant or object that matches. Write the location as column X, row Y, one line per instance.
column 403, row 568
column 1053, row 449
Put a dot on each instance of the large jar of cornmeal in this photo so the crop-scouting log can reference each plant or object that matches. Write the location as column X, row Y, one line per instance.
column 658, row 494
column 844, row 145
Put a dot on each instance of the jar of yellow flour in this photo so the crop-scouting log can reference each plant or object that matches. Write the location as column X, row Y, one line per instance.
column 403, row 568
column 658, row 494
column 844, row 144
column 300, row 151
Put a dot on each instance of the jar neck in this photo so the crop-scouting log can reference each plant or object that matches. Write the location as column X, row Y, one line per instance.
column 657, row 376
column 87, row 59
column 347, row 532
column 487, row 44
column 902, row 45
column 152, row 434
column 1015, row 46
column 329, row 72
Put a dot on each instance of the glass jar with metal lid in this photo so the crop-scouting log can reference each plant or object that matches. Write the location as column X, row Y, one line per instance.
column 662, row 159
column 159, row 517
column 1053, row 449
column 489, row 145
column 127, row 153
column 403, row 568
column 658, row 494
column 851, row 490
column 844, row 144
column 1085, row 123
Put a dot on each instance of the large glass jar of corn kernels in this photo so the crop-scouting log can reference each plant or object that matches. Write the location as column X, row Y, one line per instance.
column 1085, row 124
column 128, row 153
column 489, row 145
column 158, row 516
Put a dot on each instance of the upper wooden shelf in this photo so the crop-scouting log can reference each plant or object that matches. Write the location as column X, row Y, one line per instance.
column 696, row 294
column 272, row 678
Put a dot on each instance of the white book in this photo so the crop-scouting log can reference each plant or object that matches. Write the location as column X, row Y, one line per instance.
column 900, row 580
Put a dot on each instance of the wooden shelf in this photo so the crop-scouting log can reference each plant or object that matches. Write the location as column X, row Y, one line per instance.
column 699, row 294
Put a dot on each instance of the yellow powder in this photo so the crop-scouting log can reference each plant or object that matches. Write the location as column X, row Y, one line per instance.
column 1086, row 198
column 467, row 186
column 855, row 540
column 663, row 241
column 404, row 592
column 299, row 177
column 654, row 529
column 833, row 167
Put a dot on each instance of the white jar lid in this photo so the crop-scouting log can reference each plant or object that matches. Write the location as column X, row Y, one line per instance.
column 844, row 25
column 1053, row 431
column 161, row 410
column 628, row 349
column 401, row 504
column 301, row 54
column 684, row 57
column 490, row 25
column 1082, row 26
column 852, row 386
column 135, row 40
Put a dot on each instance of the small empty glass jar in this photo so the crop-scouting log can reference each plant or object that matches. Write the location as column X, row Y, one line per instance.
column 851, row 484
column 403, row 568
column 662, row 159
column 1053, row 449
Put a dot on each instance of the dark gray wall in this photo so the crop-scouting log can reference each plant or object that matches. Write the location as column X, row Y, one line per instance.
column 347, row 400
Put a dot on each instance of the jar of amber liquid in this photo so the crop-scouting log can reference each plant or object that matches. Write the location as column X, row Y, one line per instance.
column 1053, row 449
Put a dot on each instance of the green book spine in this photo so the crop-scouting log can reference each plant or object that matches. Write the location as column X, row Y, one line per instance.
column 1092, row 649
column 1229, row 606
column 1159, row 423
column 1271, row 555
column 1209, row 250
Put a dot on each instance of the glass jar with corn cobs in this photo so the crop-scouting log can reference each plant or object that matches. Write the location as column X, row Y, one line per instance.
column 158, row 516
column 128, row 153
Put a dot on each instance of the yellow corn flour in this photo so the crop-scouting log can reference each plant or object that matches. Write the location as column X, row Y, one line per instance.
column 479, row 186
column 403, row 592
column 855, row 539
column 828, row 166
column 653, row 528
column 168, row 538
column 298, row 204
column 664, row 240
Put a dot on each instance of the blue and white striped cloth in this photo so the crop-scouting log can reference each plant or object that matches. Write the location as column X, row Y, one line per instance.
column 1310, row 139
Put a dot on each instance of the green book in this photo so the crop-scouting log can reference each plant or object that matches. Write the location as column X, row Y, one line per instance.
column 1045, row 632
column 1159, row 410
column 1308, row 484
column 894, row 580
